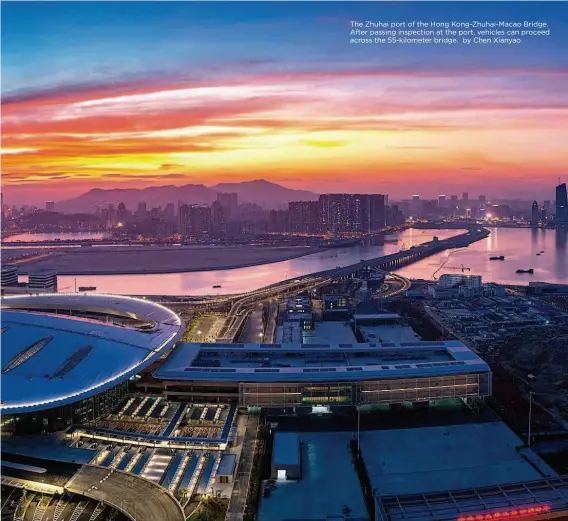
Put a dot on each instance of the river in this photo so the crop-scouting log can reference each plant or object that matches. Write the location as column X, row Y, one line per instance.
column 246, row 279
column 520, row 248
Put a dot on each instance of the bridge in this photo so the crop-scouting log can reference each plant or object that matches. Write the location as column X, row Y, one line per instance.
column 239, row 303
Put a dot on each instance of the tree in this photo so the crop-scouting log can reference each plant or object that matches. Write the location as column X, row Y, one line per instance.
column 212, row 509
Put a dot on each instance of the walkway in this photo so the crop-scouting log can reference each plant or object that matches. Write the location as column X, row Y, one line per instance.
column 238, row 501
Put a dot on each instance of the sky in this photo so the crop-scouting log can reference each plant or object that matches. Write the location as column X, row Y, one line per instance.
column 137, row 94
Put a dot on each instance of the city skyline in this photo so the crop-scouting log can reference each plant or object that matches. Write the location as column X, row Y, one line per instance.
column 122, row 95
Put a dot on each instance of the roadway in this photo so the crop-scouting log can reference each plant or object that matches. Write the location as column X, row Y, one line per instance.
column 136, row 497
column 253, row 330
column 242, row 303
column 237, row 317
column 207, row 328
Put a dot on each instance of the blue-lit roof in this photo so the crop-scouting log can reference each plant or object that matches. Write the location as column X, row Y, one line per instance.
column 49, row 360
column 227, row 465
column 286, row 449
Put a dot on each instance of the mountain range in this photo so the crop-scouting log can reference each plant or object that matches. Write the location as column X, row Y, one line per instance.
column 264, row 193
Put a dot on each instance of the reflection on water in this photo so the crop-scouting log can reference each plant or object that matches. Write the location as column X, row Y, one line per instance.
column 254, row 277
column 561, row 269
column 520, row 248
column 37, row 237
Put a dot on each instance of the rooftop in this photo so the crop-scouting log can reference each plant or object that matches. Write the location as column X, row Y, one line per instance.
column 49, row 360
column 325, row 332
column 389, row 333
column 227, row 465
column 429, row 459
column 312, row 362
column 329, row 488
column 286, row 449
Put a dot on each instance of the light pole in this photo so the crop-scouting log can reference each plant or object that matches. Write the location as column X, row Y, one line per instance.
column 530, row 418
column 358, row 430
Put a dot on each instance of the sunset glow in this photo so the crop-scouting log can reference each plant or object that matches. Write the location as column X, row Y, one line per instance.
column 137, row 103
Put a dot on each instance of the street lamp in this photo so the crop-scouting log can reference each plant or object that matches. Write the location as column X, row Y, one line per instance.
column 530, row 418
column 358, row 430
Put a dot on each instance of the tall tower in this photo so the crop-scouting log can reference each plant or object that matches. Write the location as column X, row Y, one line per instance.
column 561, row 205
column 535, row 214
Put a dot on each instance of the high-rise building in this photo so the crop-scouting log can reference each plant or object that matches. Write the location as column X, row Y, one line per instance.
column 218, row 218
column 304, row 216
column 351, row 213
column 201, row 219
column 43, row 280
column 416, row 205
column 359, row 208
column 394, row 215
column 170, row 211
column 50, row 206
column 229, row 201
column 9, row 275
column 535, row 214
column 121, row 214
column 141, row 212
column 544, row 215
column 441, row 200
column 279, row 221
column 482, row 199
column 184, row 216
column 112, row 215
column 561, row 205
column 336, row 213
column 195, row 220
column 377, row 213
column 465, row 196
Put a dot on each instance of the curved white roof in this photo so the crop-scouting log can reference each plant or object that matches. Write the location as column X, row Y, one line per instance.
column 51, row 359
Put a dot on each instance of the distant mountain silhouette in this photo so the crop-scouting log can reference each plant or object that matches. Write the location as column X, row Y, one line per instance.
column 268, row 195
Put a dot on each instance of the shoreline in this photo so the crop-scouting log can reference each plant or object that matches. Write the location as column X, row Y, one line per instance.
column 154, row 271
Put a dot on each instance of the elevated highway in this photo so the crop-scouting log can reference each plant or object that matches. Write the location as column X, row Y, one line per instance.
column 240, row 303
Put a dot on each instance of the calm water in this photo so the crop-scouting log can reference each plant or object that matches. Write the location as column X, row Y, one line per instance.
column 37, row 237
column 245, row 279
column 520, row 248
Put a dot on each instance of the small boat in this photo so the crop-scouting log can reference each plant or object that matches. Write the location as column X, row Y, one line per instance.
column 217, row 286
column 542, row 251
column 87, row 288
column 530, row 270
column 501, row 257
column 538, row 253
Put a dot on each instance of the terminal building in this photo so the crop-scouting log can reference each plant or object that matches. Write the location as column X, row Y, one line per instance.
column 295, row 375
column 68, row 358
column 152, row 418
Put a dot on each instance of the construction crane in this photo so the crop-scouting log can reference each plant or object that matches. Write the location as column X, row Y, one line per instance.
column 463, row 268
